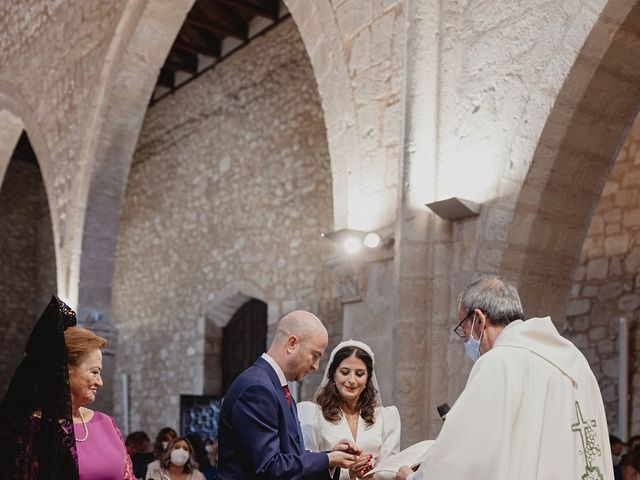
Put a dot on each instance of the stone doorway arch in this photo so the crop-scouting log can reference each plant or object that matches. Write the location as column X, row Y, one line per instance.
column 218, row 316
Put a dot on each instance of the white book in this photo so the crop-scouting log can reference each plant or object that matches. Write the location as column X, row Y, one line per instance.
column 411, row 456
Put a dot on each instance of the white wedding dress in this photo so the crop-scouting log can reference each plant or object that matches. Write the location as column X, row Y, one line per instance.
column 380, row 439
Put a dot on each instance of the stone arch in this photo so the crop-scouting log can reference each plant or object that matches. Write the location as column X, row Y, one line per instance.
column 319, row 31
column 16, row 116
column 217, row 317
column 142, row 40
column 10, row 129
column 27, row 247
column 576, row 150
column 229, row 300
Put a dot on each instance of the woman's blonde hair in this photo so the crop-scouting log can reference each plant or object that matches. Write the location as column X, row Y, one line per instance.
column 79, row 342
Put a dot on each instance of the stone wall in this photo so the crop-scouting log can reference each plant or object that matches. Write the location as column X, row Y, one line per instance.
column 51, row 56
column 230, row 186
column 27, row 263
column 607, row 282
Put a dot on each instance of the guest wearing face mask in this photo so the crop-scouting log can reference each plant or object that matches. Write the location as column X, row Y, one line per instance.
column 163, row 438
column 531, row 408
column 177, row 463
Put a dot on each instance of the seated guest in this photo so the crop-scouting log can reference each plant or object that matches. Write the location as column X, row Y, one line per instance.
column 137, row 444
column 211, row 446
column 631, row 465
column 199, row 453
column 163, row 438
column 348, row 405
column 617, row 446
column 177, row 463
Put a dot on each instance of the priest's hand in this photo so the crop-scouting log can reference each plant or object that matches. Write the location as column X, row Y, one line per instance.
column 403, row 473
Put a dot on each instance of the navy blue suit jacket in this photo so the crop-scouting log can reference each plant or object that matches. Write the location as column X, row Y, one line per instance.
column 259, row 434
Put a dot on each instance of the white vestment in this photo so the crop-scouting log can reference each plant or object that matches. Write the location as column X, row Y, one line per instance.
column 380, row 439
column 531, row 410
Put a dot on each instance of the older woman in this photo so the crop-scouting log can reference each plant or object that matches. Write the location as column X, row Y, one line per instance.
column 348, row 405
column 177, row 463
column 46, row 431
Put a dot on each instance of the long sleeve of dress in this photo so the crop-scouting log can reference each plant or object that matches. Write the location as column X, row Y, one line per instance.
column 391, row 429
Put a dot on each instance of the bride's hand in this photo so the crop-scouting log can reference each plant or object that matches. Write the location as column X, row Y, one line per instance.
column 361, row 466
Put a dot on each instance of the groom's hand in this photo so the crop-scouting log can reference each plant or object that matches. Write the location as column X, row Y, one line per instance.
column 348, row 446
column 341, row 459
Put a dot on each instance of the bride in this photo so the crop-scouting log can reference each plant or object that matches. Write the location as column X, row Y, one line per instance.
column 347, row 405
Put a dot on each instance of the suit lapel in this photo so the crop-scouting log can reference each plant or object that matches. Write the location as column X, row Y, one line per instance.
column 290, row 413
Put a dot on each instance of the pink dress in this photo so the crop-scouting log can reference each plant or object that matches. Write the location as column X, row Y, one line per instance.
column 102, row 456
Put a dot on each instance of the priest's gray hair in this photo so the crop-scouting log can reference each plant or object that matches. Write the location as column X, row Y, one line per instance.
column 494, row 297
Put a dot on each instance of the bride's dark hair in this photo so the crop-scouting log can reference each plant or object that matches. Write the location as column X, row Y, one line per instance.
column 329, row 398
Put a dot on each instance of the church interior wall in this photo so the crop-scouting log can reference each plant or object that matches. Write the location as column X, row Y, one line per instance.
column 607, row 282
column 27, row 260
column 230, row 182
column 51, row 55
column 357, row 50
column 498, row 76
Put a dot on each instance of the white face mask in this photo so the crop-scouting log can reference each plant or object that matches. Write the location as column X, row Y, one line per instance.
column 616, row 459
column 472, row 346
column 179, row 457
column 164, row 445
column 209, row 448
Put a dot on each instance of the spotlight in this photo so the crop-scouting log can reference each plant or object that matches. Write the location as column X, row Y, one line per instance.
column 353, row 241
column 352, row 245
column 372, row 240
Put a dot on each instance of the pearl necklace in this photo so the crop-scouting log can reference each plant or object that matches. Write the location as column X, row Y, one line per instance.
column 86, row 429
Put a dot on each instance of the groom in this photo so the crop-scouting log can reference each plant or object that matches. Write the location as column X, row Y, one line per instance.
column 259, row 431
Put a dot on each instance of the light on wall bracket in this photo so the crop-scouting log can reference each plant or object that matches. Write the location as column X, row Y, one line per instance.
column 454, row 208
column 355, row 241
column 355, row 252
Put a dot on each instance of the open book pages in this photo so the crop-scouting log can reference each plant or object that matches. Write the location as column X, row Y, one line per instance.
column 411, row 456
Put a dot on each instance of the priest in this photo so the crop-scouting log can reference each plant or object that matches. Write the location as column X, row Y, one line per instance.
column 531, row 409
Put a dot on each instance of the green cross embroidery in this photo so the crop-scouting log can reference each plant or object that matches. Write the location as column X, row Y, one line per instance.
column 590, row 446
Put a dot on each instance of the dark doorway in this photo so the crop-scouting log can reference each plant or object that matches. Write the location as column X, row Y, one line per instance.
column 243, row 340
column 27, row 256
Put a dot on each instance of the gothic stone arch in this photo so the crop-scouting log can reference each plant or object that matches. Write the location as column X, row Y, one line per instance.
column 142, row 41
column 577, row 148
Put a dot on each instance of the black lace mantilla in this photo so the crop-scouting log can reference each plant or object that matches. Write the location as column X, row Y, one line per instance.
column 37, row 441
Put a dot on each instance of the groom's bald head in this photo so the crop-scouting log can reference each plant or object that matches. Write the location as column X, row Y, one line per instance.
column 298, row 343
